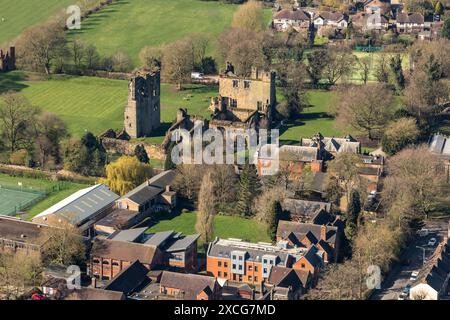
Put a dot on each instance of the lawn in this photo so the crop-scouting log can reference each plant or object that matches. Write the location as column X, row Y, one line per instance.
column 314, row 119
column 96, row 104
column 224, row 227
column 132, row 25
column 21, row 14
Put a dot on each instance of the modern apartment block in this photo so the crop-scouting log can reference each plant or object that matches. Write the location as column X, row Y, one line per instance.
column 239, row 261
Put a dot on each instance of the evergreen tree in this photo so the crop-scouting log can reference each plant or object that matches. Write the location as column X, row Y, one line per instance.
column 354, row 207
column 446, row 29
column 277, row 215
column 141, row 154
column 249, row 188
column 438, row 8
column 206, row 209
column 397, row 76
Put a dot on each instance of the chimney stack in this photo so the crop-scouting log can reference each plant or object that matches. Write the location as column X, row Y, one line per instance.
column 323, row 232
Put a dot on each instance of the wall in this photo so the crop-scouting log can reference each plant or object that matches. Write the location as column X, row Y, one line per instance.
column 127, row 148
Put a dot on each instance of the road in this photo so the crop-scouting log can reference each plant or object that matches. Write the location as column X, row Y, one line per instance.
column 399, row 276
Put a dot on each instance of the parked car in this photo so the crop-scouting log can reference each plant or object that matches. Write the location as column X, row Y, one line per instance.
column 432, row 242
column 197, row 75
column 407, row 289
column 402, row 296
column 414, row 275
column 423, row 232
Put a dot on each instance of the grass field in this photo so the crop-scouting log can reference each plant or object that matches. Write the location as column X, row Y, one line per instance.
column 95, row 104
column 313, row 119
column 55, row 192
column 132, row 25
column 20, row 14
column 224, row 227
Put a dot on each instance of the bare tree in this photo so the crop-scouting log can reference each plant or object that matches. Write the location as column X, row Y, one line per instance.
column 17, row 118
column 249, row 16
column 177, row 61
column 365, row 67
column 340, row 64
column 41, row 45
column 366, row 108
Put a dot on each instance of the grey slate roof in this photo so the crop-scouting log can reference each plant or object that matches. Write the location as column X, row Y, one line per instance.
column 82, row 205
column 410, row 18
column 306, row 210
column 130, row 235
column 151, row 188
column 20, row 231
column 118, row 218
column 159, row 238
column 183, row 243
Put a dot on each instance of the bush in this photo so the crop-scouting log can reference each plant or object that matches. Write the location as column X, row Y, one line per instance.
column 400, row 134
column 19, row 158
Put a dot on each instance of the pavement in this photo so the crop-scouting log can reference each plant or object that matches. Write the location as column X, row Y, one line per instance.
column 412, row 258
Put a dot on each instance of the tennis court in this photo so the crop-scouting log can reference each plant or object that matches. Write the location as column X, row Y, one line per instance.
column 12, row 201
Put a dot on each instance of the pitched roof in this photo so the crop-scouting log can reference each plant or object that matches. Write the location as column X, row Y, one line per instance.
column 312, row 256
column 307, row 211
column 82, row 204
column 122, row 250
column 183, row 243
column 288, row 277
column 332, row 16
column 130, row 235
column 151, row 188
column 95, row 294
column 285, row 228
column 190, row 284
column 298, row 153
column 410, row 18
column 288, row 14
column 129, row 279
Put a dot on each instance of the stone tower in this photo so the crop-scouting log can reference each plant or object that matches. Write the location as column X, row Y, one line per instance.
column 143, row 110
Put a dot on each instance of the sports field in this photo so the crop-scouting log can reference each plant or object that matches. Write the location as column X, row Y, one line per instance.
column 132, row 25
column 17, row 15
column 13, row 201
column 96, row 104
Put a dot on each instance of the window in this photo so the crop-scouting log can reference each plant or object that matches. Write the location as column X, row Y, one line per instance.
column 106, row 262
column 256, row 268
column 265, row 270
column 303, row 265
column 234, row 266
column 96, row 261
column 246, row 84
column 240, row 258
column 234, row 277
column 219, row 274
column 116, row 264
column 233, row 103
column 225, row 264
column 256, row 279
column 265, row 261
column 240, row 278
column 240, row 267
column 250, row 278
column 235, row 83
column 225, row 274
column 250, row 268
column 234, row 257
column 259, row 105
column 219, row 263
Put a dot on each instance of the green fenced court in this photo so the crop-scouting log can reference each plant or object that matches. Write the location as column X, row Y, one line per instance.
column 13, row 201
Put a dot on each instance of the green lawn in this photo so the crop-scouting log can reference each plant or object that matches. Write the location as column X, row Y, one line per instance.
column 132, row 25
column 224, row 227
column 96, row 104
column 20, row 14
column 314, row 119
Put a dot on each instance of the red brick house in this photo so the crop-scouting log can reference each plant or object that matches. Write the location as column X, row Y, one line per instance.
column 109, row 257
column 189, row 286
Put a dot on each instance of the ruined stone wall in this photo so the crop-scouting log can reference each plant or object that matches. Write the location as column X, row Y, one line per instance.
column 143, row 111
column 127, row 148
column 257, row 92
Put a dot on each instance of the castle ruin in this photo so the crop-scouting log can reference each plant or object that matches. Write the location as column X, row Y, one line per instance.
column 244, row 102
column 143, row 111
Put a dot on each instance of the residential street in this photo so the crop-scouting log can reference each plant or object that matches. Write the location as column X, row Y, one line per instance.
column 399, row 277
